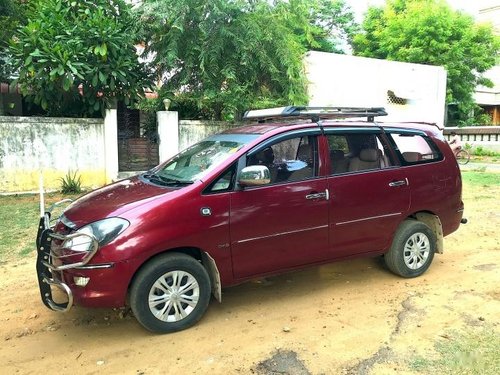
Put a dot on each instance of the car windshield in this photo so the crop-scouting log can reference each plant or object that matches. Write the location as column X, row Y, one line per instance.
column 198, row 160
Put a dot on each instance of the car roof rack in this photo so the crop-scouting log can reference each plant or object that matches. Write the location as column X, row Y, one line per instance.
column 314, row 113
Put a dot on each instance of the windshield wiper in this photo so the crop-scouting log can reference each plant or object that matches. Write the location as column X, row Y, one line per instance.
column 166, row 180
column 154, row 178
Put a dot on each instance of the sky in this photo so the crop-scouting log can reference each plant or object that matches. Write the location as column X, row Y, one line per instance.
column 469, row 6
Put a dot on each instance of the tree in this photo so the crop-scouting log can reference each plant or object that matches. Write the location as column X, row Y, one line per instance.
column 220, row 57
column 12, row 14
column 430, row 32
column 319, row 25
column 76, row 57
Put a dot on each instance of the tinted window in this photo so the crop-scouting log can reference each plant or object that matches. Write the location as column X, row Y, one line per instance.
column 357, row 152
column 415, row 148
column 224, row 182
column 292, row 159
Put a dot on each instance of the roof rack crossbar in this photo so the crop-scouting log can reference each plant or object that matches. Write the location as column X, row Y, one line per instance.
column 315, row 113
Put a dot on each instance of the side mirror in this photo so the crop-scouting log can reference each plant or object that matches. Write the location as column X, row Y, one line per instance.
column 254, row 175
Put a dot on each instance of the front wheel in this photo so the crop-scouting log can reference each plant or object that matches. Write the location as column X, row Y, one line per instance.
column 412, row 249
column 170, row 293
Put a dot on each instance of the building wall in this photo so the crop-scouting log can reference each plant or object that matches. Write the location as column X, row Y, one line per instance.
column 55, row 146
column 490, row 12
column 489, row 97
column 409, row 92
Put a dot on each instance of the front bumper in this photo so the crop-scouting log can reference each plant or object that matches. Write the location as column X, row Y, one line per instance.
column 50, row 265
column 46, row 277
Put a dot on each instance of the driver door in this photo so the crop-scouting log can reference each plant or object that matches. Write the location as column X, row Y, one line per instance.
column 284, row 224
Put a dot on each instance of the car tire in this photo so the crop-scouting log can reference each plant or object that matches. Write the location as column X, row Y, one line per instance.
column 412, row 249
column 170, row 293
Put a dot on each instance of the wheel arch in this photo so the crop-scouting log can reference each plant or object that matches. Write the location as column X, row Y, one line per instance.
column 434, row 223
column 203, row 257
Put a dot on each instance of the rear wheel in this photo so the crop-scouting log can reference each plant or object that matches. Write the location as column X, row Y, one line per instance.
column 170, row 293
column 412, row 249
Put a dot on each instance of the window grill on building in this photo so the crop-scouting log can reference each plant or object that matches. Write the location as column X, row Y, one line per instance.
column 393, row 99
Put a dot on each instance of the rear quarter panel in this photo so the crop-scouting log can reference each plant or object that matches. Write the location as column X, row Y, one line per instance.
column 437, row 187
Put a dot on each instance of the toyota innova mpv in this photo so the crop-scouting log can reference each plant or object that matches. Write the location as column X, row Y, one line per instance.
column 297, row 187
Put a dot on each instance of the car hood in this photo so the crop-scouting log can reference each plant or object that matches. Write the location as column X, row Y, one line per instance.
column 114, row 200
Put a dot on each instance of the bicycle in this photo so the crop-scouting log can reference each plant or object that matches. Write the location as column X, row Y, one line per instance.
column 463, row 156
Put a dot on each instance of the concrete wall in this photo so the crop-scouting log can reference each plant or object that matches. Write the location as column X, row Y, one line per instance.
column 488, row 137
column 53, row 145
column 192, row 131
column 89, row 147
column 408, row 92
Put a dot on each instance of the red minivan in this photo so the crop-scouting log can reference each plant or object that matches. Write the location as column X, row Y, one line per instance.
column 299, row 186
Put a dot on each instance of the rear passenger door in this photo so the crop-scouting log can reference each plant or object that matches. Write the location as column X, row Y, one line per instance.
column 369, row 193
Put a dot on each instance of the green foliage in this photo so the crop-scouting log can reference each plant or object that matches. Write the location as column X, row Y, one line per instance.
column 77, row 57
column 71, row 183
column 482, row 118
column 471, row 352
column 6, row 65
column 148, row 108
column 481, row 151
column 430, row 32
column 12, row 15
column 150, row 104
column 219, row 58
column 319, row 25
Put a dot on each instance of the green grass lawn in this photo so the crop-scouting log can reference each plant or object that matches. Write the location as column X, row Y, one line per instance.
column 19, row 216
column 473, row 352
column 477, row 178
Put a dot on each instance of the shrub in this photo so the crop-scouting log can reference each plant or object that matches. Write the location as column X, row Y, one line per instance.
column 481, row 151
column 71, row 183
column 77, row 57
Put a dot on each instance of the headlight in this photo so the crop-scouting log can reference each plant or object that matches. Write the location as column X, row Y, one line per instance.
column 104, row 232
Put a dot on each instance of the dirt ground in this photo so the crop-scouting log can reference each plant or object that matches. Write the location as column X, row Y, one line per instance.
column 352, row 317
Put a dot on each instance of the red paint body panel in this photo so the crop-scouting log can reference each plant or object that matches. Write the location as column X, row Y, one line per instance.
column 275, row 227
column 363, row 207
column 104, row 288
column 113, row 200
column 263, row 230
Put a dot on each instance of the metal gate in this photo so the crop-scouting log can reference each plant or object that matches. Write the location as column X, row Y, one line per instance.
column 137, row 140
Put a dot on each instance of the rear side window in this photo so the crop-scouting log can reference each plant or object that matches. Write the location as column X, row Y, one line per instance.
column 416, row 148
column 355, row 152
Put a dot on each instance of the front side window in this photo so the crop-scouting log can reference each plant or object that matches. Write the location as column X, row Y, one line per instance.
column 292, row 159
column 224, row 182
column 415, row 148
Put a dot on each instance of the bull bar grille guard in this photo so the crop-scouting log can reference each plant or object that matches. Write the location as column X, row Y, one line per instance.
column 46, row 270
